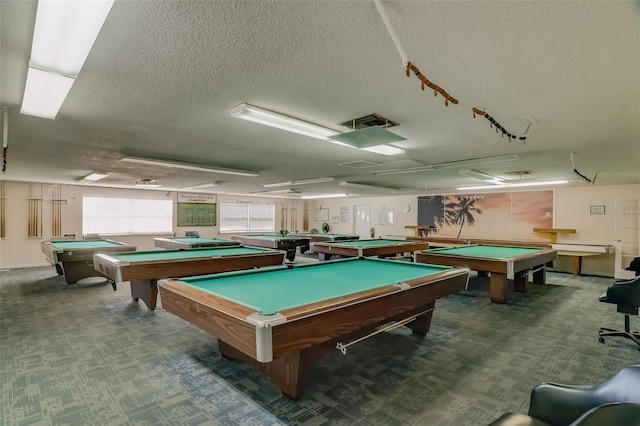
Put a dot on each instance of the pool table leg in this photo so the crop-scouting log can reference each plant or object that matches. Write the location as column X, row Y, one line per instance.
column 521, row 281
column 291, row 254
column 498, row 287
column 147, row 290
column 286, row 372
column 540, row 276
column 422, row 323
column 323, row 256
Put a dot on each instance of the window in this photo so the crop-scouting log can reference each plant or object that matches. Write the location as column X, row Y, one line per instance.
column 102, row 215
column 237, row 217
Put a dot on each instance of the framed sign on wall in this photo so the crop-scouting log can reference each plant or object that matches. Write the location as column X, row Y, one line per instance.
column 196, row 210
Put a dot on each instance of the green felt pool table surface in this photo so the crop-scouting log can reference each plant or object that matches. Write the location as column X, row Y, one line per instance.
column 74, row 258
column 281, row 319
column 501, row 263
column 488, row 251
column 277, row 237
column 370, row 242
column 143, row 269
column 381, row 247
column 164, row 255
column 272, row 290
column 191, row 242
column 84, row 244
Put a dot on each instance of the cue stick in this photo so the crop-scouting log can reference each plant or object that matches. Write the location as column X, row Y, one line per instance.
column 343, row 348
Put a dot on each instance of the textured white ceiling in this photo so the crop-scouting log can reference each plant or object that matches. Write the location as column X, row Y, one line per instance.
column 163, row 76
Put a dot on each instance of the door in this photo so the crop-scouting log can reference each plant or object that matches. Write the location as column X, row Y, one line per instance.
column 627, row 235
column 362, row 221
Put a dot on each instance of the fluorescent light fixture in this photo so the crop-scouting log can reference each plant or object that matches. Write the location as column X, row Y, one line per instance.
column 277, row 191
column 44, row 93
column 309, row 197
column 95, row 176
column 384, row 150
column 471, row 188
column 63, row 36
column 401, row 171
column 299, row 182
column 479, row 175
column 92, row 177
column 480, row 160
column 543, row 182
column 147, row 183
column 188, row 166
column 515, row 185
column 206, row 185
column 365, row 186
column 65, row 32
column 281, row 121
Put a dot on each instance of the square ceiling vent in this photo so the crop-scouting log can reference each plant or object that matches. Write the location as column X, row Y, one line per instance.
column 370, row 130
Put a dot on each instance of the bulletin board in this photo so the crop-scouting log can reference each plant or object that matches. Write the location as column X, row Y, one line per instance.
column 196, row 210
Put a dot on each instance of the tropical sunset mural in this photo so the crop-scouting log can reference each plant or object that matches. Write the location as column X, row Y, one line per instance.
column 499, row 216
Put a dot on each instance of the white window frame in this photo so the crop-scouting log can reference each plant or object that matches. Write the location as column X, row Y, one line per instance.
column 126, row 213
column 252, row 211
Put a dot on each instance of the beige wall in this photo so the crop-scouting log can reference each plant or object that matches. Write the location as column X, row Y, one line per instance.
column 571, row 210
column 16, row 250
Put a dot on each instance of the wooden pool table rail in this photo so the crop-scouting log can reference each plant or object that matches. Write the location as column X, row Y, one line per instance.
column 144, row 276
column 312, row 330
column 500, row 270
column 327, row 249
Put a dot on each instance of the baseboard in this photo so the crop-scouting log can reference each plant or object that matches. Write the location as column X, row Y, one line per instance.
column 35, row 265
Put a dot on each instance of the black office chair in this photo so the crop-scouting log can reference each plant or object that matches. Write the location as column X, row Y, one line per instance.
column 192, row 234
column 615, row 402
column 634, row 266
column 625, row 294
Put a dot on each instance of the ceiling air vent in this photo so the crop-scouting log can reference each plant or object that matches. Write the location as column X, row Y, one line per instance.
column 371, row 120
column 360, row 164
column 523, row 174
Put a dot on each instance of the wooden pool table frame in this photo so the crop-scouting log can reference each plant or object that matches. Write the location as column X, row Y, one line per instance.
column 321, row 237
column 144, row 275
column 174, row 244
column 500, row 270
column 283, row 345
column 288, row 243
column 327, row 249
column 77, row 264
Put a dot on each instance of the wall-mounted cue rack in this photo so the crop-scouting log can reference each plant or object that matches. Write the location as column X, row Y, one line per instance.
column 3, row 211
column 34, row 215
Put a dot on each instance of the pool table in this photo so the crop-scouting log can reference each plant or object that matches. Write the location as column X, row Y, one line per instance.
column 183, row 243
column 500, row 262
column 315, row 237
column 280, row 319
column 381, row 247
column 143, row 269
column 74, row 258
column 289, row 242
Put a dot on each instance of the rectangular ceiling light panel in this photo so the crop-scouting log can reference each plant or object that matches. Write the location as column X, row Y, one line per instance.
column 65, row 32
column 281, row 121
column 63, row 36
column 44, row 93
column 188, row 166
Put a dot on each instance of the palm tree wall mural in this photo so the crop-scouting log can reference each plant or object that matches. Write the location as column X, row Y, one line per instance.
column 431, row 213
column 460, row 210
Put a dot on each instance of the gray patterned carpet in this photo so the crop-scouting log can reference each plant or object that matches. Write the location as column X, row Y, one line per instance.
column 85, row 355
